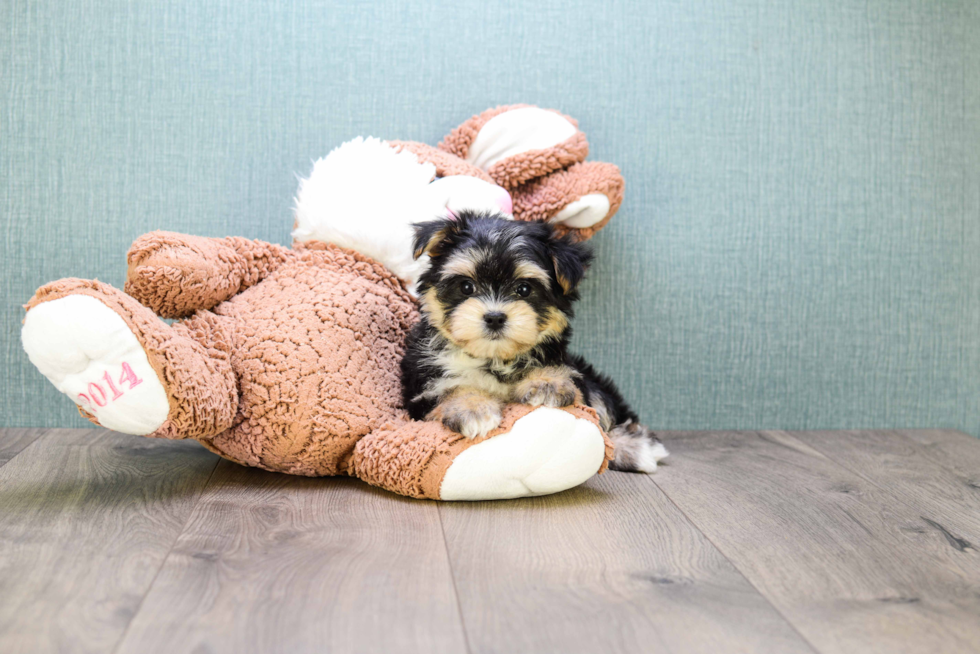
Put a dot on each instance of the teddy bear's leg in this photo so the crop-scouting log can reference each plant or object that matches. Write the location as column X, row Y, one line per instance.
column 125, row 368
column 517, row 143
column 177, row 274
column 581, row 199
column 535, row 451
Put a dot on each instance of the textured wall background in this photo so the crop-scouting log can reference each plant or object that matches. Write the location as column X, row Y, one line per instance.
column 799, row 246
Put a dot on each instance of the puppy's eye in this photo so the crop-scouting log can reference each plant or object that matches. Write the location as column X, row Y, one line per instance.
column 466, row 287
column 523, row 289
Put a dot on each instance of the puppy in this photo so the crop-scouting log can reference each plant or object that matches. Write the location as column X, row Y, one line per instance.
column 496, row 302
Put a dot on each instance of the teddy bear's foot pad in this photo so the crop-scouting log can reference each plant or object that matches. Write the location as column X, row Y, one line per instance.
column 546, row 451
column 91, row 355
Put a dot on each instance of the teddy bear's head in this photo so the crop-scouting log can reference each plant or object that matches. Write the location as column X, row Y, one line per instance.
column 520, row 161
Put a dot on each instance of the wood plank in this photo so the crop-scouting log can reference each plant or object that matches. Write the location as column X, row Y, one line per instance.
column 955, row 450
column 851, row 567
column 946, row 500
column 87, row 517
column 12, row 441
column 274, row 563
column 611, row 566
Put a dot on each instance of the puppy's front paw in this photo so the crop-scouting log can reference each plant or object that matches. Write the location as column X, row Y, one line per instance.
column 548, row 387
column 541, row 393
column 471, row 414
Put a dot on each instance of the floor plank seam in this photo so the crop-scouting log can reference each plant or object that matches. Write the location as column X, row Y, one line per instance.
column 163, row 561
column 865, row 541
column 734, row 566
column 920, row 451
column 45, row 431
column 953, row 540
column 452, row 576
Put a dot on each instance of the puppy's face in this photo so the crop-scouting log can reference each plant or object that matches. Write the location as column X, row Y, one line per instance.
column 498, row 288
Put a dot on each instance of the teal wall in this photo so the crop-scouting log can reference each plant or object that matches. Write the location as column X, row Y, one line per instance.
column 800, row 242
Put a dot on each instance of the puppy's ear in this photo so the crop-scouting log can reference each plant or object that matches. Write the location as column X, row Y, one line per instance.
column 431, row 234
column 571, row 260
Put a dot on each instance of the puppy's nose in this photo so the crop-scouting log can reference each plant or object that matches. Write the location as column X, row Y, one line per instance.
column 495, row 320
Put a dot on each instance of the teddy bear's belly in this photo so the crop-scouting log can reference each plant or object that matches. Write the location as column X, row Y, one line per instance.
column 317, row 355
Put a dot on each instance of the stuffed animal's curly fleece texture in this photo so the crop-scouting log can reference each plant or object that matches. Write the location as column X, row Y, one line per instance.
column 547, row 197
column 302, row 401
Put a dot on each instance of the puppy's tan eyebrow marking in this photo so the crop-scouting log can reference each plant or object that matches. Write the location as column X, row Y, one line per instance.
column 529, row 270
column 461, row 263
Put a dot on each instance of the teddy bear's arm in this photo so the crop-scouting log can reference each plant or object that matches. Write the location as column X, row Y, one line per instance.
column 534, row 451
column 176, row 274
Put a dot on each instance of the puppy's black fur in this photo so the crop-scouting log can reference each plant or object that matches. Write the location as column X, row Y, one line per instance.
column 496, row 302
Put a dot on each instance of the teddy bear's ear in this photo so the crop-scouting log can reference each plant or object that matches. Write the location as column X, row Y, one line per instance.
column 517, row 143
column 571, row 259
column 431, row 234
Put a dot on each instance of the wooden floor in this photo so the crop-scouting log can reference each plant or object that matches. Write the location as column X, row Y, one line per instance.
column 746, row 542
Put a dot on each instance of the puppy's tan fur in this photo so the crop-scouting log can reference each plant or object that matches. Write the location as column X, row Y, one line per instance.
column 550, row 386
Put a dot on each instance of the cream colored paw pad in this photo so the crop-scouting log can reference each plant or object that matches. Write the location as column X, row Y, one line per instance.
column 546, row 451
column 89, row 353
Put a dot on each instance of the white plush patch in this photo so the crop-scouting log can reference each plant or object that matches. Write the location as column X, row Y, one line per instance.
column 86, row 350
column 517, row 131
column 584, row 212
column 546, row 451
column 365, row 196
column 459, row 192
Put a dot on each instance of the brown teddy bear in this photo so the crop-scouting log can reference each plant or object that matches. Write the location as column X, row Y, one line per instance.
column 288, row 359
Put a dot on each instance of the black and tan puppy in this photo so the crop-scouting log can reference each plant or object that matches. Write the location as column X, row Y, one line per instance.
column 496, row 302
